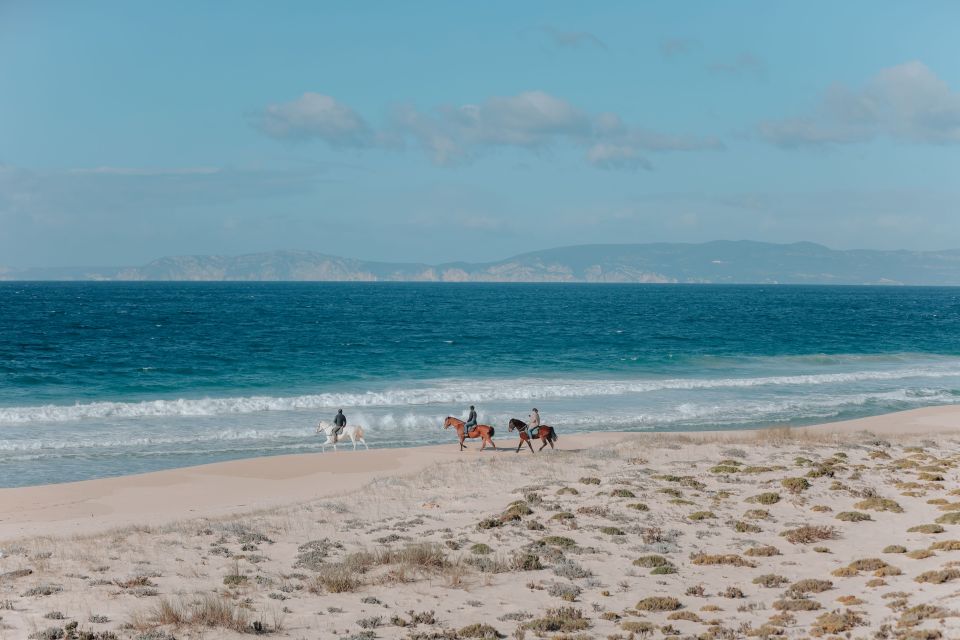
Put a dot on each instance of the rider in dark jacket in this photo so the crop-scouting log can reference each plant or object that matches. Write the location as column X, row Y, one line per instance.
column 471, row 420
column 339, row 421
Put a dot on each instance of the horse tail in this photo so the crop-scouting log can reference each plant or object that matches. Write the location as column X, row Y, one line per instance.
column 360, row 432
column 553, row 434
column 492, row 431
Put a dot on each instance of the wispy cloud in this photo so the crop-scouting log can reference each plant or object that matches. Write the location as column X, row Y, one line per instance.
column 676, row 47
column 907, row 102
column 532, row 120
column 573, row 39
column 745, row 64
column 71, row 194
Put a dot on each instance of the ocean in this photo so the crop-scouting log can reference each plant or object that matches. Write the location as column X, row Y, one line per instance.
column 106, row 379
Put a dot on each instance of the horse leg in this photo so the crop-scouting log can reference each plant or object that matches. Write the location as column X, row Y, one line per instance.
column 492, row 443
column 530, row 445
column 519, row 445
column 544, row 445
column 364, row 444
column 354, row 441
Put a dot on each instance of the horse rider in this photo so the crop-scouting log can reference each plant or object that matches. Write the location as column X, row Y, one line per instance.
column 533, row 423
column 471, row 421
column 339, row 421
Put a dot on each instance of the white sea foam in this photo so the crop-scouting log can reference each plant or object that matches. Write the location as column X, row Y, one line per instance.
column 449, row 392
column 421, row 427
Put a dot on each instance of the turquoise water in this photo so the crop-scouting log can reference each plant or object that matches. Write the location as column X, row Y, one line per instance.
column 102, row 379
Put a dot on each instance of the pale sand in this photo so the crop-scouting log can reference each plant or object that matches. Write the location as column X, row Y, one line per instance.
column 234, row 531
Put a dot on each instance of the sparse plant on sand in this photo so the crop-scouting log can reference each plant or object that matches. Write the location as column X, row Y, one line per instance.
column 853, row 516
column 764, row 551
column 770, row 580
column 836, row 622
column 879, row 504
column 564, row 620
column 795, row 485
column 946, row 545
column 808, row 534
column 658, row 603
column 800, row 604
column 729, row 559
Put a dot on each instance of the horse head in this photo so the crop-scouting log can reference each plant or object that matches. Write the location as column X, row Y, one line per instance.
column 448, row 422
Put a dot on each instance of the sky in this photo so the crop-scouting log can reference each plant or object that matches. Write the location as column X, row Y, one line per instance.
column 436, row 131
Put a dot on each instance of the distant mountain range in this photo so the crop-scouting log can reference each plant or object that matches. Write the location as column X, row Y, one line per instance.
column 721, row 262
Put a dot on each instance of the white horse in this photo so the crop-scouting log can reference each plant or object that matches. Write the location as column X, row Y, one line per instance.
column 353, row 431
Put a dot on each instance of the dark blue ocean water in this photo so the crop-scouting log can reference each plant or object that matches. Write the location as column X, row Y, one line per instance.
column 101, row 379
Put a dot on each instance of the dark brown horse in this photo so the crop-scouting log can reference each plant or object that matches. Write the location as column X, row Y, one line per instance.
column 546, row 433
column 482, row 431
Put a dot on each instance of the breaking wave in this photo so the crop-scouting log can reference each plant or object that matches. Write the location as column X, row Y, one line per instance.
column 451, row 392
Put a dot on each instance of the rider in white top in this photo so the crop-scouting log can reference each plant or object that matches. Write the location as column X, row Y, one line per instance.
column 533, row 423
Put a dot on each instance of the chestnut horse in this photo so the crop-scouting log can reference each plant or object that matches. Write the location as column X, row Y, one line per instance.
column 483, row 431
column 546, row 433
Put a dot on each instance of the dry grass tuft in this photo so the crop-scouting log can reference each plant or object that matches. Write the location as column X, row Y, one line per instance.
column 938, row 577
column 808, row 534
column 949, row 518
column 796, row 605
column 729, row 559
column 879, row 504
column 810, row 585
column 770, row 580
column 795, row 485
column 853, row 516
column 204, row 611
column 926, row 528
column 564, row 620
column 946, row 545
column 836, row 622
column 651, row 561
column 764, row 551
column 658, row 603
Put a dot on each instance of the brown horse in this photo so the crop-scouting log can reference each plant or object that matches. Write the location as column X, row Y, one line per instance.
column 546, row 433
column 483, row 431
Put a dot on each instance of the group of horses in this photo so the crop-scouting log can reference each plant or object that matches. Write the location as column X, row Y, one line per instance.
column 546, row 434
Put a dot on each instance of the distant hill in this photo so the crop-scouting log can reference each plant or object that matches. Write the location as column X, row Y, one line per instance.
column 712, row 262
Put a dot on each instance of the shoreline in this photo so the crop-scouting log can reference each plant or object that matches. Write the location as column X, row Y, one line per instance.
column 238, row 486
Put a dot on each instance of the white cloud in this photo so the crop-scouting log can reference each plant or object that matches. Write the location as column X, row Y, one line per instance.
column 907, row 102
column 314, row 115
column 457, row 134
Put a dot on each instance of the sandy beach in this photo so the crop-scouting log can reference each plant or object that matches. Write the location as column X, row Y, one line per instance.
column 846, row 529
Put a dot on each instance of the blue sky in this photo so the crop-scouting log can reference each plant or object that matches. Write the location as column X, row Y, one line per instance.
column 433, row 131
